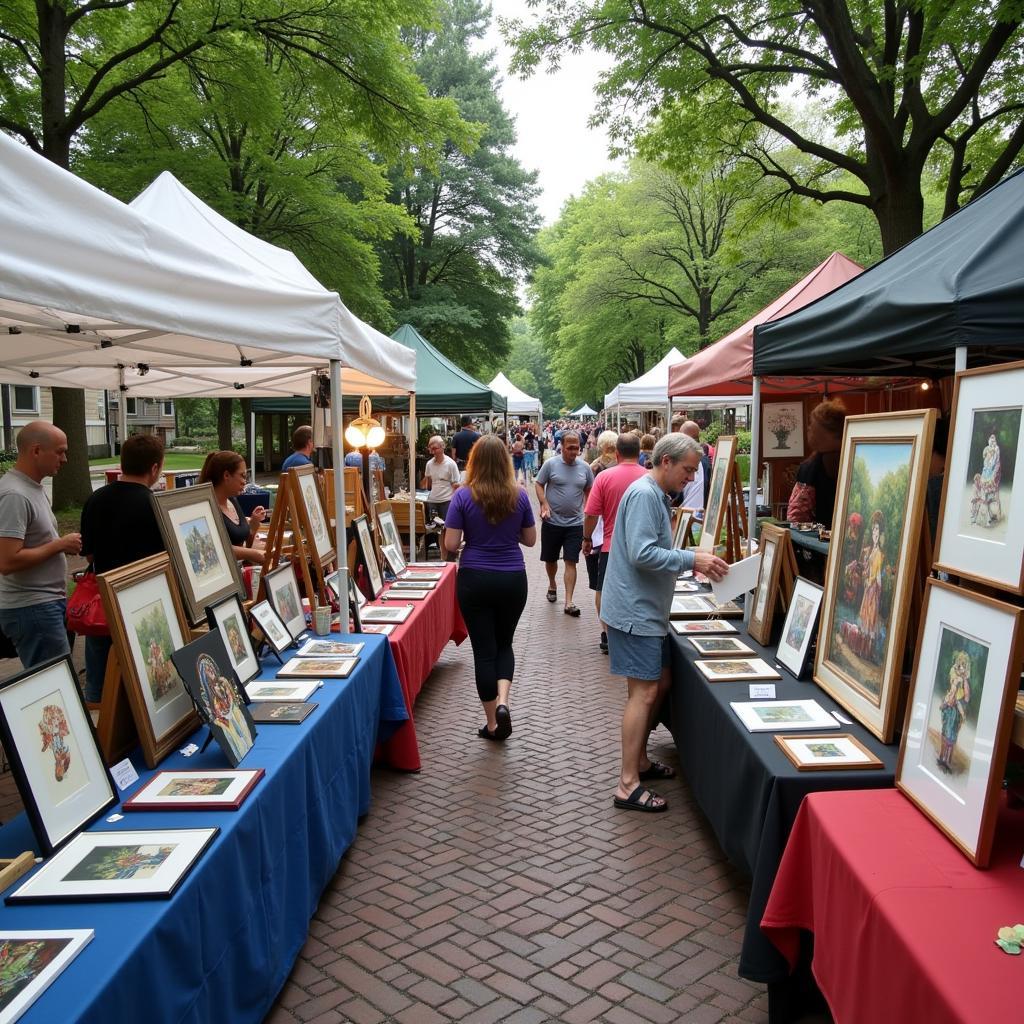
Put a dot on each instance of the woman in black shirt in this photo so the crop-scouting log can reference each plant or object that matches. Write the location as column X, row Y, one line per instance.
column 226, row 471
column 813, row 498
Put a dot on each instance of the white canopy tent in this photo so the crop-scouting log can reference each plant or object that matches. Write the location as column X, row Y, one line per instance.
column 96, row 294
column 519, row 402
column 584, row 410
column 648, row 392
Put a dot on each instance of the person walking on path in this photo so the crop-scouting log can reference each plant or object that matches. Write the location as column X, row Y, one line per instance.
column 119, row 527
column 493, row 514
column 562, row 488
column 603, row 504
column 33, row 563
column 636, row 600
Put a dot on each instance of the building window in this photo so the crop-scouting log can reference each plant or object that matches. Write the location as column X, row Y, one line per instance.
column 26, row 398
column 131, row 406
column 168, row 408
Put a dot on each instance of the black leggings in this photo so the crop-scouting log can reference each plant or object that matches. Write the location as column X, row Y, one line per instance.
column 491, row 603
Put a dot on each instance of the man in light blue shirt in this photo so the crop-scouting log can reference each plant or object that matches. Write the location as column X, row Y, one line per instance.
column 636, row 600
column 302, row 444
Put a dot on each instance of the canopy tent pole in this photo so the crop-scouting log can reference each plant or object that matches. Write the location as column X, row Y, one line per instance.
column 122, row 407
column 340, row 535
column 755, row 447
column 960, row 361
column 412, row 477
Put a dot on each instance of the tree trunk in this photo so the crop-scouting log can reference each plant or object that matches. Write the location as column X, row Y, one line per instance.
column 900, row 214
column 224, row 409
column 71, row 486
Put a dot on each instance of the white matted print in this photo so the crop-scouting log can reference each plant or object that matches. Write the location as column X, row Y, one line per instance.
column 827, row 753
column 799, row 628
column 778, row 715
column 283, row 592
column 314, row 514
column 782, row 430
column 35, row 959
column 963, row 689
column 270, row 623
column 271, row 689
column 723, row 670
column 229, row 618
column 981, row 530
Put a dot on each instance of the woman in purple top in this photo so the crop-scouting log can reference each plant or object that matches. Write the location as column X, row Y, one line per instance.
column 493, row 514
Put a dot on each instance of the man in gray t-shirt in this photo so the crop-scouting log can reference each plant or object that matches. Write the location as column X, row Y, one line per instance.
column 562, row 488
column 33, row 567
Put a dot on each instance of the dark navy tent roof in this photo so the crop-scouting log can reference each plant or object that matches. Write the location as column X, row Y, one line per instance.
column 960, row 283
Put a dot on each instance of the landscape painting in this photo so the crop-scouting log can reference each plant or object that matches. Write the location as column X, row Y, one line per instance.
column 153, row 633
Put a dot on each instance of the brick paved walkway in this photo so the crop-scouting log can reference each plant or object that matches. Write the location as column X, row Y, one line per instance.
column 499, row 884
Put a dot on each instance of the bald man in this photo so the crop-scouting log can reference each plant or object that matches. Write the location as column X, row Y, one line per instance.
column 33, row 566
column 695, row 493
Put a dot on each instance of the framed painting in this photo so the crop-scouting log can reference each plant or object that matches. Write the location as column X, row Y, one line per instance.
column 702, row 626
column 192, row 790
column 766, row 593
column 720, row 646
column 773, row 715
column 687, row 605
column 273, row 690
column 377, row 613
column 279, row 712
column 365, row 541
column 380, row 628
column 206, row 669
column 393, row 555
column 147, row 625
column 799, row 629
column 197, row 541
column 782, row 430
column 827, row 753
column 34, row 960
column 718, row 492
column 980, row 533
column 317, row 668
column 405, row 595
column 328, row 649
column 962, row 696
column 389, row 530
column 872, row 569
column 682, row 527
column 228, row 618
column 121, row 865
column 55, row 757
column 283, row 594
column 312, row 514
column 271, row 626
column 730, row 670
column 413, row 583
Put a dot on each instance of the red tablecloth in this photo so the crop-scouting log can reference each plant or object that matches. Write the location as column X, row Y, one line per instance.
column 416, row 645
column 903, row 923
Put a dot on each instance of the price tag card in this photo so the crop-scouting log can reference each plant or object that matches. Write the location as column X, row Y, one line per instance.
column 124, row 774
column 762, row 691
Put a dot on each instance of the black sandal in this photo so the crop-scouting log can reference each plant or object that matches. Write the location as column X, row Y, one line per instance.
column 642, row 799
column 504, row 727
column 552, row 596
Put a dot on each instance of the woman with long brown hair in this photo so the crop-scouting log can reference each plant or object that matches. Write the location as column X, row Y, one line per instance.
column 492, row 513
column 226, row 471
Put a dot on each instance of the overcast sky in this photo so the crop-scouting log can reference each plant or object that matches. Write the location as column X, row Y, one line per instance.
column 551, row 113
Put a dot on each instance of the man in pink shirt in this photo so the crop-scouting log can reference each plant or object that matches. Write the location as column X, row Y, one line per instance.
column 603, row 503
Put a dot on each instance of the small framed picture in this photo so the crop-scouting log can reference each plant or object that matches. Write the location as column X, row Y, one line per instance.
column 378, row 613
column 317, row 668
column 777, row 715
column 35, row 959
column 228, row 618
column 681, row 531
column 393, row 556
column 733, row 670
column 49, row 738
column 271, row 626
column 280, row 712
column 962, row 694
column 195, row 790
column 380, row 628
column 122, row 865
column 718, row 492
column 312, row 514
column 412, row 584
column 766, row 593
column 688, row 627
column 687, row 587
column 317, row 648
column 283, row 593
column 271, row 689
column 800, row 626
column 827, row 752
column 419, row 576
column 405, row 595
column 365, row 541
column 389, row 530
column 724, row 609
column 782, row 430
column 719, row 646
column 205, row 667
column 687, row 605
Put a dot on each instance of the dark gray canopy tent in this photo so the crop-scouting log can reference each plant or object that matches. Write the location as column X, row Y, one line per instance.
column 958, row 285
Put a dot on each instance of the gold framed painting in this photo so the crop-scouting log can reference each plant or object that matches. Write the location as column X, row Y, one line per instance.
column 309, row 503
column 197, row 541
column 960, row 713
column 766, row 593
column 827, row 752
column 718, row 492
column 872, row 569
column 980, row 533
column 147, row 625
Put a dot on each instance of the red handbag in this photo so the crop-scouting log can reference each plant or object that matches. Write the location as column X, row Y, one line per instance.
column 85, row 614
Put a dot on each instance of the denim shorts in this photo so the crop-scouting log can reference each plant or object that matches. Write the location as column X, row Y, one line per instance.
column 639, row 657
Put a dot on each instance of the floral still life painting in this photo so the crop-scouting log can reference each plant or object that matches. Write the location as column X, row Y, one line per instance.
column 783, row 430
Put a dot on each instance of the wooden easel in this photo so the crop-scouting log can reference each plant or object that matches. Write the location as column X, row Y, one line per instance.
column 286, row 517
column 735, row 517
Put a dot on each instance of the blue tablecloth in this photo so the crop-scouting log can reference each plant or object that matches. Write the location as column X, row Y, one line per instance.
column 221, row 948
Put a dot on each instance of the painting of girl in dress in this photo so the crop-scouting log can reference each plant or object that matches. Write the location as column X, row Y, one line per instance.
column 989, row 485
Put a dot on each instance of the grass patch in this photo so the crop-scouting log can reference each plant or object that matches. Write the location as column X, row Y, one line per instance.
column 172, row 460
column 69, row 520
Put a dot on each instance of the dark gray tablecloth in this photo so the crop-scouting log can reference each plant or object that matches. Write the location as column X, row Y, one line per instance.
column 747, row 787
